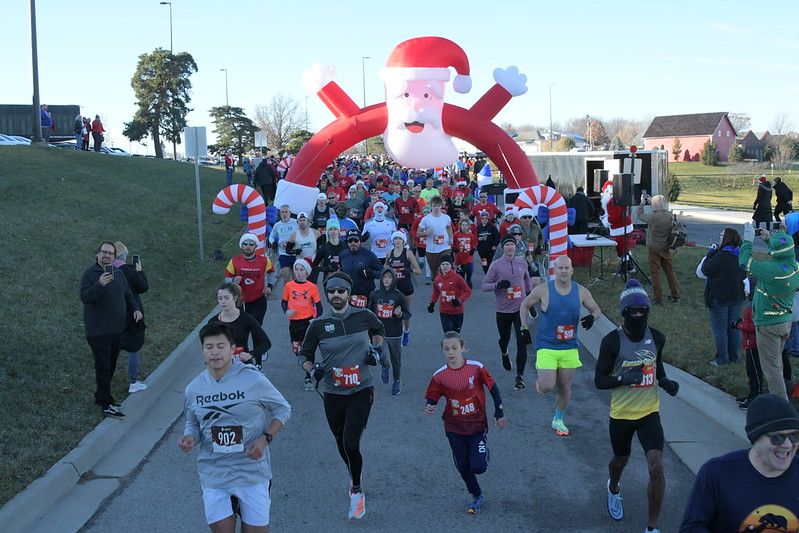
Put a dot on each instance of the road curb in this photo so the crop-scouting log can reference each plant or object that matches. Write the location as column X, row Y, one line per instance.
column 34, row 501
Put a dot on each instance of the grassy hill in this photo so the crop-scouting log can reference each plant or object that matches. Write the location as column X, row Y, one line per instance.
column 57, row 205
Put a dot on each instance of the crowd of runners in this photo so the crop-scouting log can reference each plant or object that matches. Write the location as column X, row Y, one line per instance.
column 347, row 270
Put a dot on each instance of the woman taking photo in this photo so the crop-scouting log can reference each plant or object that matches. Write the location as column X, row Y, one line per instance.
column 724, row 295
column 243, row 325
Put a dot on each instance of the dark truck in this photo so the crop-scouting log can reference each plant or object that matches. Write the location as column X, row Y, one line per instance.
column 20, row 120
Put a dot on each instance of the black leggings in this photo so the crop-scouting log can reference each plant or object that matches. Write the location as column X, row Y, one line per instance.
column 347, row 416
column 488, row 255
column 504, row 323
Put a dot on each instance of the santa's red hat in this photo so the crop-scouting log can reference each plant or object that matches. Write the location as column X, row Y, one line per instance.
column 607, row 184
column 429, row 58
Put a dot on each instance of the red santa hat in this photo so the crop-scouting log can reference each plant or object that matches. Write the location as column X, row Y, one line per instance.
column 607, row 185
column 429, row 58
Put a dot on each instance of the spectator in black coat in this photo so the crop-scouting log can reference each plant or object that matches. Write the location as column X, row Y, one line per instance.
column 266, row 179
column 132, row 338
column 784, row 198
column 724, row 295
column 762, row 205
column 583, row 209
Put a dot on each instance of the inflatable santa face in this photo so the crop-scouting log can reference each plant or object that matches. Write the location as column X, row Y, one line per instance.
column 415, row 76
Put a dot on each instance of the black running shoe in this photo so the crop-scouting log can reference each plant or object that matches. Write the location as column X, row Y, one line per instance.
column 506, row 362
column 110, row 410
column 519, row 383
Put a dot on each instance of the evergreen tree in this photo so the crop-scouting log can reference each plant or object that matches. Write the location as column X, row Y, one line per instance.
column 710, row 154
column 233, row 128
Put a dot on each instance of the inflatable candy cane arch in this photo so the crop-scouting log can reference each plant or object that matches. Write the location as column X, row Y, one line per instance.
column 256, row 209
column 558, row 218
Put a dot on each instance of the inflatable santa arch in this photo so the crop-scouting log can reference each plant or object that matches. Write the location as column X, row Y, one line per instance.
column 417, row 125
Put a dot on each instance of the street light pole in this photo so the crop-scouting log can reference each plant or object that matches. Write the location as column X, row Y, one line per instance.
column 171, row 50
column 37, row 121
column 363, row 80
column 590, row 133
column 551, row 139
column 306, row 113
column 227, row 102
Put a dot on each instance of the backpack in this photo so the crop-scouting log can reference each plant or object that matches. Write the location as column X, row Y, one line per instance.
column 678, row 234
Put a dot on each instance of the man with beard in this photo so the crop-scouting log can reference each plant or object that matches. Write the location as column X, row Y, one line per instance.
column 755, row 489
column 483, row 204
column 556, row 343
column 377, row 231
column 345, row 223
column 343, row 335
column 254, row 273
column 630, row 364
column 327, row 257
column 362, row 266
column 322, row 212
column 106, row 301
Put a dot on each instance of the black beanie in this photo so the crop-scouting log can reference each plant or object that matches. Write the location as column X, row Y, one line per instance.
column 508, row 238
column 445, row 259
column 769, row 413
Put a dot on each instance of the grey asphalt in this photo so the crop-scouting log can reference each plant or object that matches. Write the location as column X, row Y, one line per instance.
column 130, row 476
column 536, row 480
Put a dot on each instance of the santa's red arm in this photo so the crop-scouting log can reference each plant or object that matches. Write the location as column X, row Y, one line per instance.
column 491, row 103
column 337, row 101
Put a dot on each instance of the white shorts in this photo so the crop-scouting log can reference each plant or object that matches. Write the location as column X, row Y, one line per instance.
column 254, row 501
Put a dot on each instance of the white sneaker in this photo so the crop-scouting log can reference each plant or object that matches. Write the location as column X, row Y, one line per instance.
column 615, row 507
column 136, row 387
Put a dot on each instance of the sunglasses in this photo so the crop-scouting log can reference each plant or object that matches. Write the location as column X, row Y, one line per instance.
column 527, row 217
column 353, row 240
column 337, row 291
column 777, row 439
column 248, row 244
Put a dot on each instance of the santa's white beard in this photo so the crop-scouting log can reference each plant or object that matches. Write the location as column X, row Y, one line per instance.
column 429, row 148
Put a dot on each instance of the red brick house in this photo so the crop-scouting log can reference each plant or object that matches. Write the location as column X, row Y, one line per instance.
column 693, row 131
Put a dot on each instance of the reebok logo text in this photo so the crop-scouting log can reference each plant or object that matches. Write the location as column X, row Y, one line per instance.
column 221, row 397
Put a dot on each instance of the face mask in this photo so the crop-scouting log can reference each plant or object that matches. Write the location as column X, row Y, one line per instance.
column 635, row 326
column 379, row 216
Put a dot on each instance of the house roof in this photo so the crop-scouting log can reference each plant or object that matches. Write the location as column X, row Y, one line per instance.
column 677, row 125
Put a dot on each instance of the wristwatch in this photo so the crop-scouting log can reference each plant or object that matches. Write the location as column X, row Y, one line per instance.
column 269, row 437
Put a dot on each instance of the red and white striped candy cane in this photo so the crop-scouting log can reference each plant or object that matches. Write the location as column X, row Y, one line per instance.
column 285, row 164
column 558, row 220
column 256, row 209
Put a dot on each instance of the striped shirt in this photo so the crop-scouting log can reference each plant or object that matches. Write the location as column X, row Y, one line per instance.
column 465, row 412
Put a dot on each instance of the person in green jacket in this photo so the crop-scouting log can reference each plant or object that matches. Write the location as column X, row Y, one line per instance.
column 777, row 281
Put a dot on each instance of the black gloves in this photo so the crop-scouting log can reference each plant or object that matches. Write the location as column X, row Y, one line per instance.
column 525, row 336
column 631, row 377
column 431, row 307
column 671, row 387
column 455, row 302
column 374, row 355
column 317, row 372
column 365, row 236
column 289, row 247
column 587, row 321
column 503, row 284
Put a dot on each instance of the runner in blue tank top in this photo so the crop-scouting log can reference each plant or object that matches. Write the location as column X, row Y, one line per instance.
column 556, row 343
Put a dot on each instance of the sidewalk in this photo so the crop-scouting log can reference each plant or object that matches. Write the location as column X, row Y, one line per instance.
column 711, row 214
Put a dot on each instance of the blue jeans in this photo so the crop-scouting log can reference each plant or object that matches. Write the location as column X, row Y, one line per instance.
column 133, row 367
column 793, row 341
column 78, row 141
column 229, row 176
column 728, row 340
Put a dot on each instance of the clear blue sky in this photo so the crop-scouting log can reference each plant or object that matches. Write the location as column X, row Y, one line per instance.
column 605, row 59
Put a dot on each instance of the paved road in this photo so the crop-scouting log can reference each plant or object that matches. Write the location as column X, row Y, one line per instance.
column 535, row 482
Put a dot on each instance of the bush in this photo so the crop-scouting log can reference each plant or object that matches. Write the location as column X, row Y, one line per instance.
column 686, row 156
column 710, row 154
column 736, row 154
column 565, row 144
column 673, row 183
column 695, row 158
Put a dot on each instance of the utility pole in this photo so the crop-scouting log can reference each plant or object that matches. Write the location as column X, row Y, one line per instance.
column 37, row 121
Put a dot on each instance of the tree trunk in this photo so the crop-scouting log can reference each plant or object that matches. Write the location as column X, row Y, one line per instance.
column 159, row 154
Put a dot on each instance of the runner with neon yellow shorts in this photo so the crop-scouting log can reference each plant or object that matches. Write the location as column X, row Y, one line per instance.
column 556, row 342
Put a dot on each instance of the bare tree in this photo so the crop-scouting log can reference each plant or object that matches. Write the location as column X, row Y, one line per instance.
column 782, row 124
column 740, row 121
column 280, row 120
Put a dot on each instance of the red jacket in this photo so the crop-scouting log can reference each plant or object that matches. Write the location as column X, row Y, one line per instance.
column 464, row 245
column 493, row 210
column 406, row 209
column 420, row 241
column 445, row 288
column 97, row 126
column 747, row 327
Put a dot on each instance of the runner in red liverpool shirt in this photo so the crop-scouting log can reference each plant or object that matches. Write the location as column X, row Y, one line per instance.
column 461, row 381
